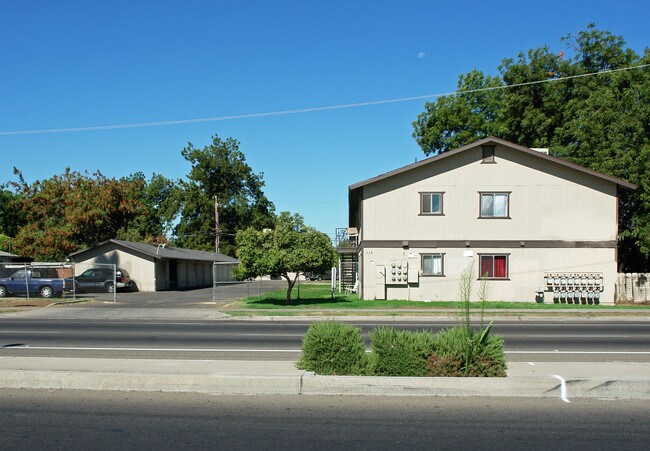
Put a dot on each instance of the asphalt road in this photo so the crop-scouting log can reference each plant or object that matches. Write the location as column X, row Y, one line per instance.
column 580, row 340
column 68, row 419
column 225, row 292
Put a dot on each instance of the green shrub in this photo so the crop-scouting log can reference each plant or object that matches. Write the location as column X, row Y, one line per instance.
column 399, row 353
column 333, row 348
column 462, row 351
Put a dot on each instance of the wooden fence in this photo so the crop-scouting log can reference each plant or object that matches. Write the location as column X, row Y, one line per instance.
column 634, row 287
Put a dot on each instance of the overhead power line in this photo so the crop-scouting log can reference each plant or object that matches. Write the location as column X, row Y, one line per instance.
column 306, row 110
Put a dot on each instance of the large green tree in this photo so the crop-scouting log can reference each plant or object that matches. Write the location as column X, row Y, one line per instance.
column 73, row 210
column 220, row 170
column 11, row 218
column 453, row 121
column 162, row 198
column 288, row 250
column 571, row 102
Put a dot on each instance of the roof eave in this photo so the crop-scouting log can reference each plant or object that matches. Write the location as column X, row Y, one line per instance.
column 494, row 140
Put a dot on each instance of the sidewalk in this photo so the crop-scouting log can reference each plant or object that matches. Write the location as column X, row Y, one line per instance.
column 205, row 313
column 563, row 380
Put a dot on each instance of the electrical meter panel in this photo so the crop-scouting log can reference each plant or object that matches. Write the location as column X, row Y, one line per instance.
column 397, row 273
column 574, row 288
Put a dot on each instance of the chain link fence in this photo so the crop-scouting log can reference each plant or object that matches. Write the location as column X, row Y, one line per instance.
column 221, row 275
column 45, row 280
column 61, row 280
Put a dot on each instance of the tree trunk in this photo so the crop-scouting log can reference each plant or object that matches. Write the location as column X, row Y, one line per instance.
column 290, row 284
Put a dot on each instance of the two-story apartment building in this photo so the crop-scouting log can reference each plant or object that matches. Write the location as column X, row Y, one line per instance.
column 537, row 227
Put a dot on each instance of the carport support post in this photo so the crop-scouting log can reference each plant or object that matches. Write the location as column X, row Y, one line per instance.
column 27, row 277
column 216, row 224
column 214, row 282
column 114, row 283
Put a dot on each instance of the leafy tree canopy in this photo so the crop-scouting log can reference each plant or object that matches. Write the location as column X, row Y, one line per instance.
column 5, row 243
column 220, row 170
column 162, row 198
column 286, row 251
column 599, row 121
column 10, row 217
column 50, row 219
column 73, row 210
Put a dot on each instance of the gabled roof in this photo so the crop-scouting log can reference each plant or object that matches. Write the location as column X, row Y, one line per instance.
column 6, row 254
column 166, row 252
column 491, row 140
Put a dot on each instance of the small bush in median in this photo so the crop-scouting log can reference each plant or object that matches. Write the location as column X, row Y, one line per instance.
column 462, row 351
column 399, row 353
column 333, row 348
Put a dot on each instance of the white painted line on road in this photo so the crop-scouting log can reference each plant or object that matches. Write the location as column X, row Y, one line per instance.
column 580, row 352
column 531, row 363
column 79, row 348
column 562, row 388
column 27, row 332
column 82, row 348
column 268, row 335
column 570, row 336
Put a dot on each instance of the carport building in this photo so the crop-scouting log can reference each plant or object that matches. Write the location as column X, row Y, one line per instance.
column 161, row 267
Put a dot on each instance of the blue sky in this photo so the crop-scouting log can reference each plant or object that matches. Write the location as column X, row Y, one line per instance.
column 70, row 64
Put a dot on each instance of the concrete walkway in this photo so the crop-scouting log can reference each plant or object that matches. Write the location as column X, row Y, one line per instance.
column 118, row 313
column 209, row 311
column 226, row 377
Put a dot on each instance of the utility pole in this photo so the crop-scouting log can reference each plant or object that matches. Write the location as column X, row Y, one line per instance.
column 216, row 224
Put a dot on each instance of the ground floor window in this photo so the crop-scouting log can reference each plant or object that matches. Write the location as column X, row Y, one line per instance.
column 432, row 265
column 493, row 266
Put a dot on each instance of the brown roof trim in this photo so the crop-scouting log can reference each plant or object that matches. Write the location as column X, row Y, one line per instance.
column 164, row 252
column 502, row 142
column 484, row 244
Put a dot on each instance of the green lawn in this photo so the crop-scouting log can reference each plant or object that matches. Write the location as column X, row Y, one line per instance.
column 318, row 296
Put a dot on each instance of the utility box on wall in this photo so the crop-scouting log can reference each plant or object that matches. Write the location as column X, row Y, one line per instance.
column 380, row 282
column 413, row 268
column 397, row 273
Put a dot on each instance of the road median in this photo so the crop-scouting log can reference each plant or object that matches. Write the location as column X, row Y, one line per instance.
column 229, row 377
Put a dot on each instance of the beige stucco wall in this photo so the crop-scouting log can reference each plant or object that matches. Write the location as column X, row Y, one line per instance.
column 141, row 269
column 549, row 202
column 153, row 275
column 526, row 269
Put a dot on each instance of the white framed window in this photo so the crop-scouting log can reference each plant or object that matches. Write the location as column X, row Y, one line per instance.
column 433, row 265
column 495, row 205
column 431, row 203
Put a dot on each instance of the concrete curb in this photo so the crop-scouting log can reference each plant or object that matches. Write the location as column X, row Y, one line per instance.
column 442, row 316
column 118, row 381
column 306, row 383
column 476, row 387
column 427, row 386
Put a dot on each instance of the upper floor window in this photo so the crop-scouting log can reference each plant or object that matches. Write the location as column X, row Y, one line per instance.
column 432, row 265
column 431, row 203
column 493, row 266
column 495, row 205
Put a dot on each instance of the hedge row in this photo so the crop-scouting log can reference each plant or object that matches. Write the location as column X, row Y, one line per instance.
column 336, row 348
